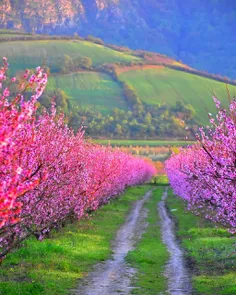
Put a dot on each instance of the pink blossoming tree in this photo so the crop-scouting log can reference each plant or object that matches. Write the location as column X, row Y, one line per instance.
column 205, row 174
column 48, row 174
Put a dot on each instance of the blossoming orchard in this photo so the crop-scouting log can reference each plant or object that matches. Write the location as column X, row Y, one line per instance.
column 48, row 174
column 205, row 174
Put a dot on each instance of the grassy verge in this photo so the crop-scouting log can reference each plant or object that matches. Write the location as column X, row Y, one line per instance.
column 210, row 250
column 53, row 266
column 150, row 255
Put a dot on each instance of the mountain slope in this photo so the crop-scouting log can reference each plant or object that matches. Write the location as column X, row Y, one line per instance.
column 201, row 33
column 116, row 92
column 97, row 87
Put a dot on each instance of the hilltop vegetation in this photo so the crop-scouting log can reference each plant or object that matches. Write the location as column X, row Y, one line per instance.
column 114, row 91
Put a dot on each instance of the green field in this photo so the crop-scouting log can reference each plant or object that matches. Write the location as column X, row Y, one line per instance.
column 22, row 54
column 90, row 88
column 101, row 91
column 167, row 86
column 13, row 35
column 117, row 142
column 12, row 32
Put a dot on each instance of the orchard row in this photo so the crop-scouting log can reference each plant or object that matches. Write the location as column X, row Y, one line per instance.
column 48, row 174
column 205, row 174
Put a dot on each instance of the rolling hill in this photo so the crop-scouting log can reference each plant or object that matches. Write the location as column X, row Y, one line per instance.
column 30, row 54
column 164, row 85
column 137, row 94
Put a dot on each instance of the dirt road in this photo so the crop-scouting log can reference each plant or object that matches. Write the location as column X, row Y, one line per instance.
column 114, row 276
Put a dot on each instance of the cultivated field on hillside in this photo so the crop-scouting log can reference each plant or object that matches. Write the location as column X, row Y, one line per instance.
column 163, row 85
column 30, row 54
column 90, row 88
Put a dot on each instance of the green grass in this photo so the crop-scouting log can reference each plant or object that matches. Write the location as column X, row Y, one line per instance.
column 150, row 255
column 90, row 88
column 13, row 35
column 54, row 266
column 153, row 86
column 154, row 143
column 167, row 86
column 161, row 180
column 22, row 54
column 12, row 32
column 210, row 251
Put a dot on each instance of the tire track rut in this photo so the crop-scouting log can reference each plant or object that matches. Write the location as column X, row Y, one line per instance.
column 113, row 277
column 178, row 275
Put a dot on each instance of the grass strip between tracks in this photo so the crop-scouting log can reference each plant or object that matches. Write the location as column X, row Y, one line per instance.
column 150, row 255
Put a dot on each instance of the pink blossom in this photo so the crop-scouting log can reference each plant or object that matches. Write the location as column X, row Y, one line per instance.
column 205, row 174
column 6, row 92
column 48, row 174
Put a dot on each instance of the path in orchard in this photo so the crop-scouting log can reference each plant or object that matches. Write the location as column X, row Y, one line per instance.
column 114, row 276
column 179, row 278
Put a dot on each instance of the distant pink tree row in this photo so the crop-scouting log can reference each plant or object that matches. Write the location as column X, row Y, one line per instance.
column 48, row 174
column 205, row 174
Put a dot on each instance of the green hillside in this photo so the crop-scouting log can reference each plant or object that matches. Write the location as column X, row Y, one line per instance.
column 127, row 94
column 30, row 54
column 153, row 86
column 165, row 85
column 90, row 88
